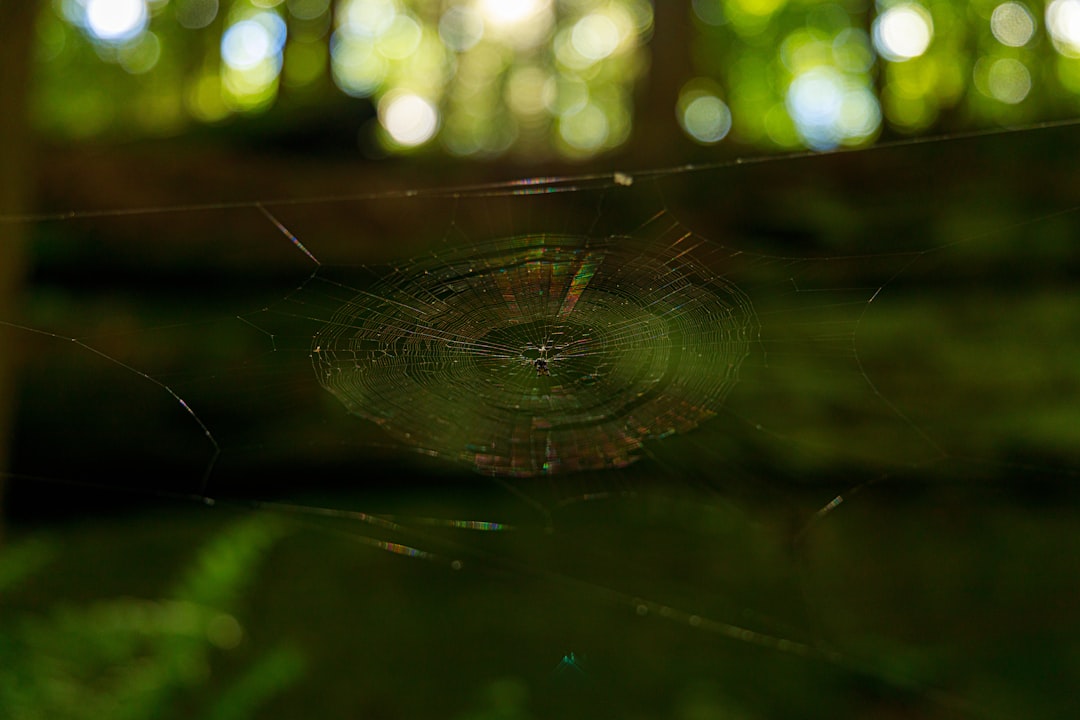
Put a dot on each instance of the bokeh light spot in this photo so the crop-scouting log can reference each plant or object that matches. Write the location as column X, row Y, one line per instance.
column 142, row 55
column 357, row 68
column 1012, row 24
column 116, row 20
column 903, row 32
column 305, row 62
column 508, row 12
column 566, row 95
column 595, row 36
column 519, row 24
column 401, row 38
column 203, row 99
column 252, row 88
column 860, row 115
column 368, row 17
column 461, row 28
column 1008, row 81
column 813, row 100
column 308, row 9
column 250, row 42
column 1063, row 22
column 526, row 91
column 759, row 8
column 852, row 51
column 196, row 14
column 830, row 109
column 704, row 117
column 409, row 119
column 586, row 130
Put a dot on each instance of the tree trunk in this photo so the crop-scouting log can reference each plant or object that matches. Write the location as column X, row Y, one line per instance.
column 17, row 18
column 656, row 139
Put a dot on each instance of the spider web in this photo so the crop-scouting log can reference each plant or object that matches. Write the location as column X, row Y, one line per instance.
column 722, row 375
column 645, row 326
column 539, row 354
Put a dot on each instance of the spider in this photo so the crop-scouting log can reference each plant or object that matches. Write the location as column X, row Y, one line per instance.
column 541, row 367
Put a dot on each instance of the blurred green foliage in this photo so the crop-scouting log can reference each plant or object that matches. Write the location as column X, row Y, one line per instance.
column 130, row 658
column 563, row 77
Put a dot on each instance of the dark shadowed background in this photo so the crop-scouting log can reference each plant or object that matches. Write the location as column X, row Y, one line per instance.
column 878, row 521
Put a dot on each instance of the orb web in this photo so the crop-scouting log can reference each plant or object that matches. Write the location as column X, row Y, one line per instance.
column 541, row 353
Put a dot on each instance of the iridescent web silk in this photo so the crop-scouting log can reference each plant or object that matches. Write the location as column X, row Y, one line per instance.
column 638, row 340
